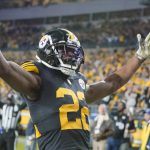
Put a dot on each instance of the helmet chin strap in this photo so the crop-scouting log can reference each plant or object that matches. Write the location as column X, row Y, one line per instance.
column 64, row 70
column 67, row 71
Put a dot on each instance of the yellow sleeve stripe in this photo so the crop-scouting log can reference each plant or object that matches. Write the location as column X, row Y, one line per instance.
column 23, row 66
column 37, row 133
column 27, row 63
column 30, row 67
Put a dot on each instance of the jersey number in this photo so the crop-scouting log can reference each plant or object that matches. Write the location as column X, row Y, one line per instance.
column 79, row 123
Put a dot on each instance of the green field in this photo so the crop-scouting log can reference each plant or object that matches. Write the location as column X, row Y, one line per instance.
column 21, row 143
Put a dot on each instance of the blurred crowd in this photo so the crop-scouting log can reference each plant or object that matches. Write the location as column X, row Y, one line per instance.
column 94, row 34
column 14, row 37
column 29, row 3
column 117, row 129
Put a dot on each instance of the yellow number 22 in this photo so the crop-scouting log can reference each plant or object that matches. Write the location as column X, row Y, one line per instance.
column 79, row 123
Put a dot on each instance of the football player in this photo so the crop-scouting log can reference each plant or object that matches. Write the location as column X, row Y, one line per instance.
column 57, row 92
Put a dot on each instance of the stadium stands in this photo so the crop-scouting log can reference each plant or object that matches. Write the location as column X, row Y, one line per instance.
column 32, row 3
column 96, row 34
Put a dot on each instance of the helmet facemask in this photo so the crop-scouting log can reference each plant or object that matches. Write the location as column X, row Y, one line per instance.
column 70, row 57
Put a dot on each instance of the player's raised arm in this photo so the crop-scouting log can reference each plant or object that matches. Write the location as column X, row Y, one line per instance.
column 121, row 76
column 19, row 79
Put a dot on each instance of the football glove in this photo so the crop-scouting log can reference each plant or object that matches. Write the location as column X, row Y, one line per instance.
column 143, row 51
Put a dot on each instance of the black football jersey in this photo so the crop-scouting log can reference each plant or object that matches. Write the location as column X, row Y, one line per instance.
column 60, row 113
column 120, row 124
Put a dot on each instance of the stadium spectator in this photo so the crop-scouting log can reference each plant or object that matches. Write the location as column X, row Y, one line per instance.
column 30, row 137
column 135, row 136
column 146, row 132
column 120, row 119
column 10, row 114
column 130, row 97
column 103, row 127
column 121, row 138
column 146, row 96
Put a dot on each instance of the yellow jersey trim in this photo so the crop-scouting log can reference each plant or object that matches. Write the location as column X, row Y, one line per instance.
column 37, row 133
column 30, row 67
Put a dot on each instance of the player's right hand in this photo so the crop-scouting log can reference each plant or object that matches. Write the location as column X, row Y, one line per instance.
column 143, row 51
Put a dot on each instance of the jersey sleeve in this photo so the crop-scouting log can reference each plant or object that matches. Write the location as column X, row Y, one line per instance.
column 30, row 67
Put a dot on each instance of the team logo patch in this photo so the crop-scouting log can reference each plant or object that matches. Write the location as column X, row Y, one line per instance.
column 120, row 125
column 82, row 84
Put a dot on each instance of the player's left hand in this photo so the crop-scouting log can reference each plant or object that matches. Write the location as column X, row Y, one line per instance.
column 143, row 51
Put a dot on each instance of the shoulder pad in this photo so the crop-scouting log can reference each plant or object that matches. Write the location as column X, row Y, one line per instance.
column 30, row 67
column 82, row 76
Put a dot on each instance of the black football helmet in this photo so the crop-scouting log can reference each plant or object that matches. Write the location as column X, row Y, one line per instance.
column 60, row 49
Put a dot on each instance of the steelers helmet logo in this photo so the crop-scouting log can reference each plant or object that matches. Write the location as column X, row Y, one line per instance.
column 72, row 38
column 82, row 84
column 43, row 41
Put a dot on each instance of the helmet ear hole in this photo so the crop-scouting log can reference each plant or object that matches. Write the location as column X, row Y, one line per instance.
column 53, row 61
column 48, row 56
